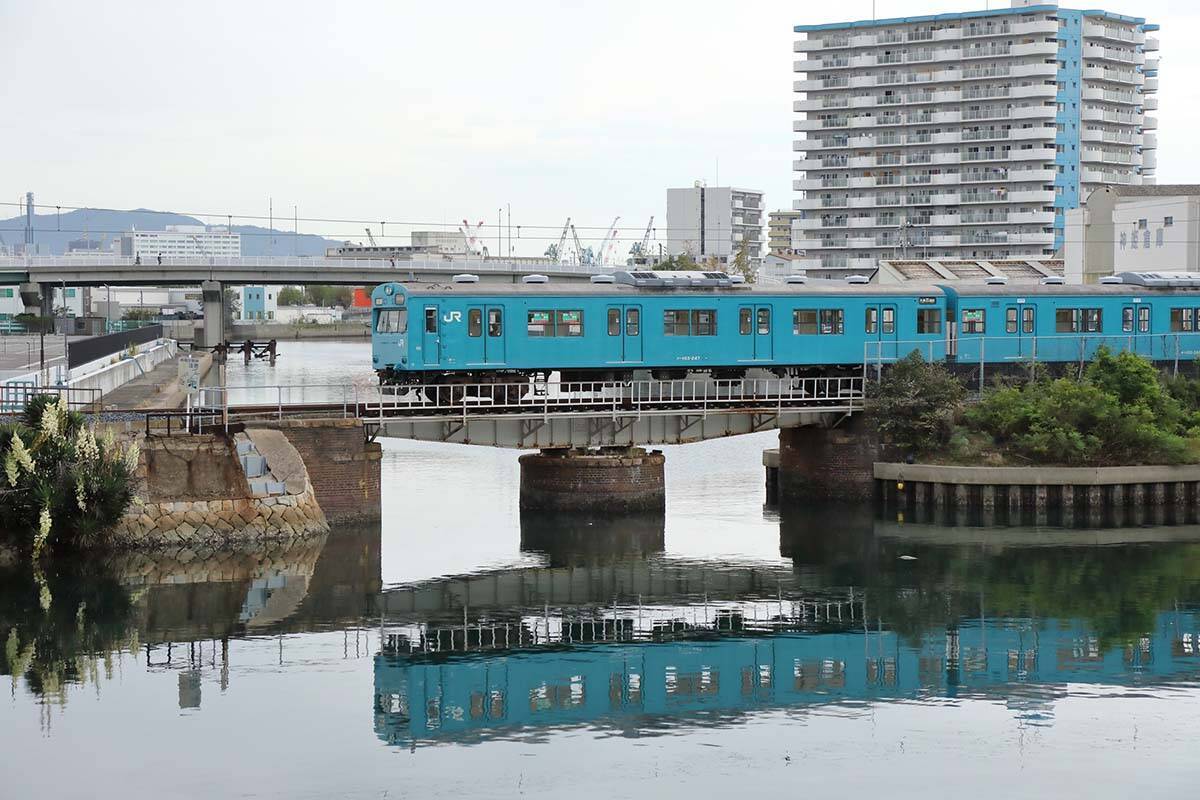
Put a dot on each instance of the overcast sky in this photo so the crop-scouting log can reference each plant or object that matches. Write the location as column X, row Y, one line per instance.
column 431, row 112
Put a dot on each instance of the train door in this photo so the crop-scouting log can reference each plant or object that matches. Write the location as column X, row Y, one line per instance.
column 493, row 340
column 880, row 329
column 624, row 334
column 1019, row 319
column 431, row 339
column 754, row 331
column 1135, row 323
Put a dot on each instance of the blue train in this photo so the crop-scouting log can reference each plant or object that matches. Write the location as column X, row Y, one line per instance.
column 671, row 324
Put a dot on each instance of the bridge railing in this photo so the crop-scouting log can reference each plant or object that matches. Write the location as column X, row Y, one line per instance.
column 994, row 353
column 16, row 395
column 545, row 398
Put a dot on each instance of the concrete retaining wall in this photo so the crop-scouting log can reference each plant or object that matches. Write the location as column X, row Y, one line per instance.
column 337, row 330
column 107, row 376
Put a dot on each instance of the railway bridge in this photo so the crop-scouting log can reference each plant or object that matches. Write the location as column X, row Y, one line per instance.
column 591, row 437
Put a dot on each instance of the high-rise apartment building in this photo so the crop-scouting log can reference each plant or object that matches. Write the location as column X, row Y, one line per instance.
column 967, row 135
column 781, row 225
column 713, row 223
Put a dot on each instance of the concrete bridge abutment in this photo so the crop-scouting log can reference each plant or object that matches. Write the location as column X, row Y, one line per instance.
column 611, row 480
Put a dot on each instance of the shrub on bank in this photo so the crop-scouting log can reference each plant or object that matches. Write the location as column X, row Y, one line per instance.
column 914, row 404
column 60, row 483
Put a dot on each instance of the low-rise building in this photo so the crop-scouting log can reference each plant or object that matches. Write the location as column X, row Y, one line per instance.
column 782, row 231
column 181, row 241
column 258, row 304
column 1134, row 229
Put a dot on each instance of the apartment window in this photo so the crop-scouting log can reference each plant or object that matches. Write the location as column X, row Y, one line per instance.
column 474, row 323
column 973, row 320
column 929, row 320
column 1168, row 222
column 1158, row 238
column 1141, row 224
column 832, row 321
column 1183, row 319
column 804, row 321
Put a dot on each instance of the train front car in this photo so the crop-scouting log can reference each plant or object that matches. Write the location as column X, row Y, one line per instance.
column 389, row 333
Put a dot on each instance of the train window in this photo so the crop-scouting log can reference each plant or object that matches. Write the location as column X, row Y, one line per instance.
column 1066, row 320
column 1127, row 320
column 1143, row 319
column 474, row 322
column 1010, row 320
column 872, row 323
column 538, row 323
column 1026, row 320
column 393, row 320
column 804, row 321
column 570, row 323
column 675, row 323
column 495, row 322
column 1092, row 320
column 632, row 321
column 704, row 322
column 889, row 320
column 929, row 320
column 745, row 324
column 973, row 320
column 1182, row 320
column 832, row 321
column 614, row 322
column 431, row 320
column 764, row 321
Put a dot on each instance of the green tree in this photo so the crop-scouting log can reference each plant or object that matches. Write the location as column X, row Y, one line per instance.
column 291, row 296
column 741, row 265
column 681, row 262
column 914, row 404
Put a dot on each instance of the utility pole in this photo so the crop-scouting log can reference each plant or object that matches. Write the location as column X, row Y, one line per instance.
column 510, row 230
column 499, row 230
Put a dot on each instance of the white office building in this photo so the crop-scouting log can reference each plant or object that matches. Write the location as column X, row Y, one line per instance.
column 713, row 223
column 182, row 241
column 967, row 135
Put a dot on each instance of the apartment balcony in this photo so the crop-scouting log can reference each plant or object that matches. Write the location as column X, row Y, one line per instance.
column 1113, row 117
column 808, row 65
column 1149, row 142
column 1031, row 217
column 1151, row 45
column 1038, row 132
column 1035, row 90
column 862, row 222
column 1149, row 124
column 1042, row 48
column 862, row 81
column 1125, row 137
column 808, row 204
column 945, row 179
column 985, row 134
column 861, row 183
column 1126, row 97
column 943, row 219
column 1109, row 176
column 946, row 117
column 861, row 202
column 863, row 40
column 945, row 198
column 888, row 200
column 1032, row 175
column 987, row 154
column 977, row 196
column 1100, row 156
column 946, row 158
column 1150, row 103
column 1034, row 112
column 1151, row 64
column 809, row 45
column 948, row 137
column 1032, row 154
column 858, row 242
column 1113, row 33
column 1041, row 196
column 1150, row 159
column 1039, row 237
column 861, row 162
column 1033, row 70
column 1119, row 55
column 1150, row 86
column 812, row 244
column 1112, row 75
column 945, row 240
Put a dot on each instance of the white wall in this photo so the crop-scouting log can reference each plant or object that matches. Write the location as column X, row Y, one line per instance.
column 1171, row 247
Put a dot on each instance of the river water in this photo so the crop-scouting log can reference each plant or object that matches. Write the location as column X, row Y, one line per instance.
column 461, row 650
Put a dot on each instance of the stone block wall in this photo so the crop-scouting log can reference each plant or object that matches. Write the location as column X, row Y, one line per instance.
column 819, row 464
column 343, row 468
column 191, row 468
column 593, row 481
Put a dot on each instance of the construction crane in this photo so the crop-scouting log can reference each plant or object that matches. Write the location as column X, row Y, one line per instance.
column 371, row 238
column 555, row 251
column 608, row 243
column 471, row 235
column 584, row 256
column 639, row 251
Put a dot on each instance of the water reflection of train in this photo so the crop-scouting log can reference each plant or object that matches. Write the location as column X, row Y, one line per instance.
column 709, row 679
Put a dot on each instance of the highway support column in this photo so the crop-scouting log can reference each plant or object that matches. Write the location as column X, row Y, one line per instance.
column 31, row 297
column 612, row 480
column 212, row 293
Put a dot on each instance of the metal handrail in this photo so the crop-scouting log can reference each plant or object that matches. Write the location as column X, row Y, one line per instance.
column 463, row 263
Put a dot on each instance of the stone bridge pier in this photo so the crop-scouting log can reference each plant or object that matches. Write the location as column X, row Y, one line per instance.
column 614, row 480
column 832, row 461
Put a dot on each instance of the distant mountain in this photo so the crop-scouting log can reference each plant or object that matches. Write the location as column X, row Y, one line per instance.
column 52, row 232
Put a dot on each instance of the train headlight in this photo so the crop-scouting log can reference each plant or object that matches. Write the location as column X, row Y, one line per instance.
column 389, row 289
column 378, row 301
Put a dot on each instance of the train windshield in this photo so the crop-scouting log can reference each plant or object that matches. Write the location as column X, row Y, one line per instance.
column 392, row 320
